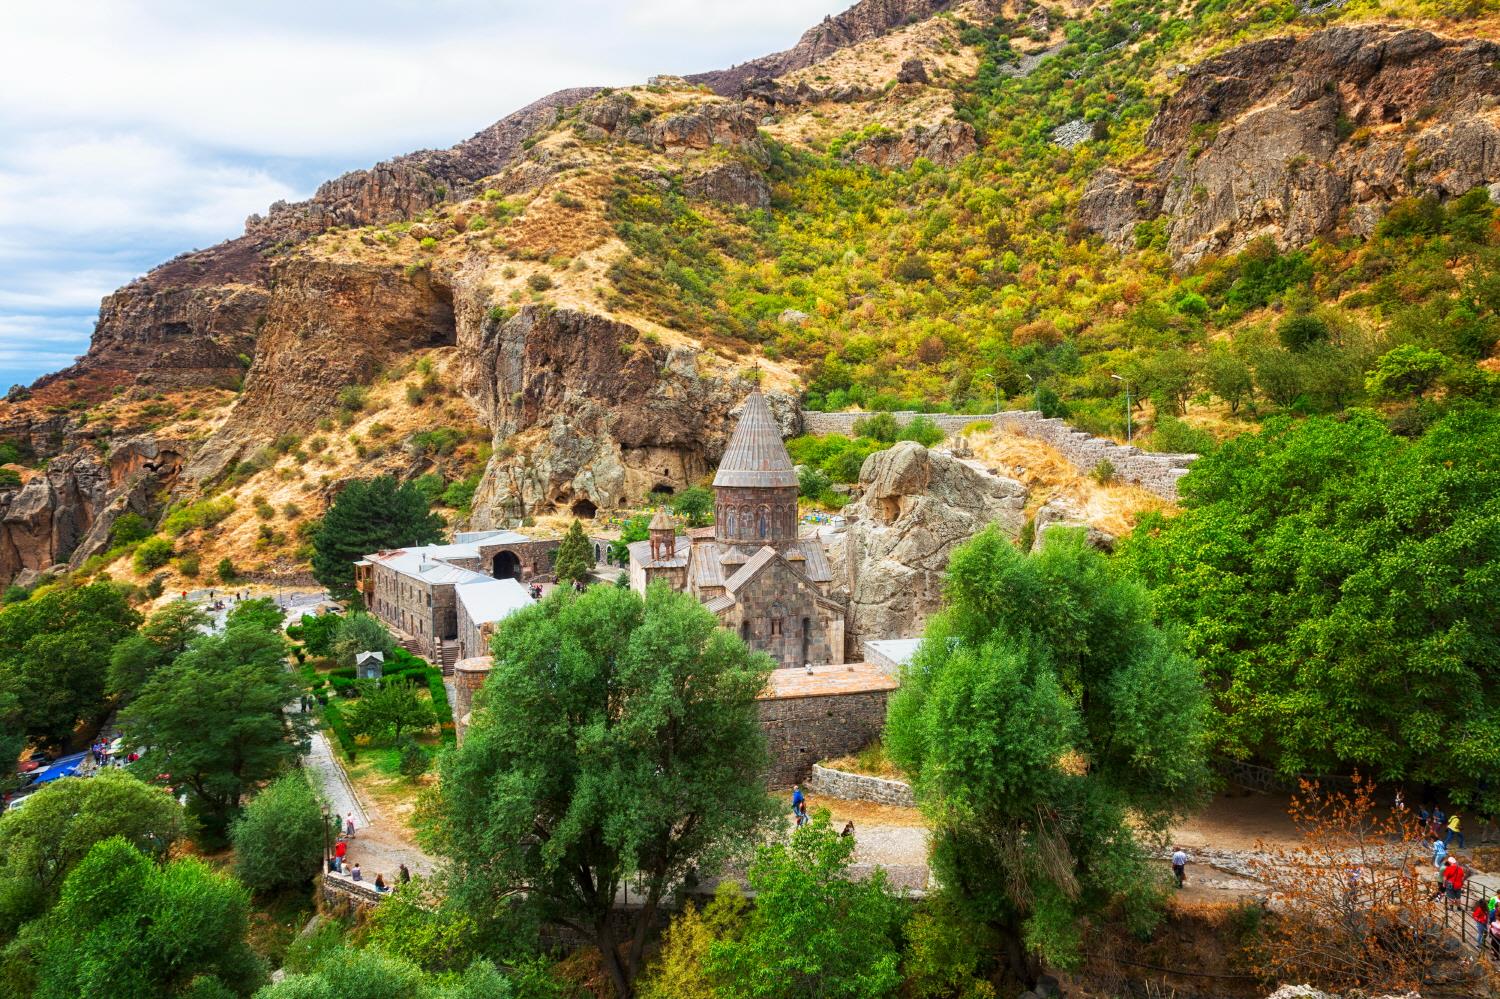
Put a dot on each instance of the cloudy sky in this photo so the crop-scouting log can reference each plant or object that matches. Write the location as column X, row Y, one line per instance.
column 132, row 130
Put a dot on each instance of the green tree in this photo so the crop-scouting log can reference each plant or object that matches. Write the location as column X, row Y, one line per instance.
column 262, row 612
column 387, row 708
column 680, row 970
column 1278, row 376
column 369, row 973
column 610, row 745
column 814, row 931
column 128, row 528
column 41, row 843
column 417, row 922
column 633, row 530
column 53, row 648
column 320, row 630
column 216, row 720
column 696, row 503
column 279, row 838
column 1406, row 371
column 1301, row 330
column 360, row 632
column 1337, row 583
column 153, row 553
column 369, row 516
column 1043, row 721
column 1228, row 377
column 575, row 556
column 129, row 929
column 163, row 638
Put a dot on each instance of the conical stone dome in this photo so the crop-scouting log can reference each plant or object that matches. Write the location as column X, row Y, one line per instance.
column 756, row 457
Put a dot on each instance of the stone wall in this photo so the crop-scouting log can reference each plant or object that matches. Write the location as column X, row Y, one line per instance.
column 800, row 731
column 847, row 786
column 339, row 890
column 468, row 676
column 1155, row 472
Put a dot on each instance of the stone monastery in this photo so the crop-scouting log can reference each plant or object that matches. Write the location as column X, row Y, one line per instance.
column 751, row 569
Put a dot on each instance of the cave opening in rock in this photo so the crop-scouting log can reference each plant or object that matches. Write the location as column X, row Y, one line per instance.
column 443, row 328
column 662, row 489
column 585, row 509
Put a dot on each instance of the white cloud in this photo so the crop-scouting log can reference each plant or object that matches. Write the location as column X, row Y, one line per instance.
column 136, row 129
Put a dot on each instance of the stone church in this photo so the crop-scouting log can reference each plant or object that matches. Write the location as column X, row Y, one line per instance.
column 751, row 568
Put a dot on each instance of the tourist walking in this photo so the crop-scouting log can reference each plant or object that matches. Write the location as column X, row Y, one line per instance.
column 1482, row 918
column 1439, row 851
column 1454, row 830
column 405, row 875
column 1179, row 866
column 349, row 825
column 1452, row 883
column 1495, row 937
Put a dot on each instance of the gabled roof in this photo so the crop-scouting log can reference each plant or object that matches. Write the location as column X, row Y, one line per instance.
column 755, row 455
column 750, row 569
column 486, row 600
column 662, row 521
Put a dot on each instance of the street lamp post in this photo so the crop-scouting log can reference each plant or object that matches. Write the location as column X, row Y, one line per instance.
column 1128, row 435
column 1036, row 392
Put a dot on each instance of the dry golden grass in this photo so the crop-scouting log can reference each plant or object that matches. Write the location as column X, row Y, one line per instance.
column 1114, row 508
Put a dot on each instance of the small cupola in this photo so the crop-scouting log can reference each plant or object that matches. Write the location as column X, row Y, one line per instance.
column 663, row 532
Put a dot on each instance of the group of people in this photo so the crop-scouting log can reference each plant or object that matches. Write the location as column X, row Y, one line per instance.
column 339, row 863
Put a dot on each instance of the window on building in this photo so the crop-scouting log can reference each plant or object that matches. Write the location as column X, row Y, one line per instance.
column 775, row 626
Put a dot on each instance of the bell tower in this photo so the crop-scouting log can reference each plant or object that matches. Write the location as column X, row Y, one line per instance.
column 755, row 489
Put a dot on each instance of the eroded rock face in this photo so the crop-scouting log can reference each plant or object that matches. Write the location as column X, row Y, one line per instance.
column 865, row 20
column 1299, row 138
column 915, row 507
column 944, row 144
column 587, row 415
column 732, row 183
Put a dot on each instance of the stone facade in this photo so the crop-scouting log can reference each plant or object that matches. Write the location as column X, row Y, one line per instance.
column 468, row 676
column 801, row 730
column 416, row 591
column 846, row 786
column 752, row 569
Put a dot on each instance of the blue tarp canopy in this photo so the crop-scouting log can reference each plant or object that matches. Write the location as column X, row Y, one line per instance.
column 67, row 766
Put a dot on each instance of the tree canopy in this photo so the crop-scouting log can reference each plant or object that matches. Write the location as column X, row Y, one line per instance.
column 611, row 742
column 163, row 638
column 1337, row 582
column 369, row 515
column 575, row 557
column 41, row 843
column 280, row 836
column 53, row 650
column 129, row 929
column 216, row 721
column 1043, row 708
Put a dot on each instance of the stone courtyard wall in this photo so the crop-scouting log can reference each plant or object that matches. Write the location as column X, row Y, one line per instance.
column 800, row 731
column 848, row 786
column 1153, row 471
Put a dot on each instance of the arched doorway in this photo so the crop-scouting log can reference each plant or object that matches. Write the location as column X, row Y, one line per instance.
column 506, row 566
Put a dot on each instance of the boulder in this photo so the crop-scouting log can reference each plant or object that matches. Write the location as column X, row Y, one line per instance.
column 1059, row 513
column 915, row 506
column 944, row 144
column 912, row 71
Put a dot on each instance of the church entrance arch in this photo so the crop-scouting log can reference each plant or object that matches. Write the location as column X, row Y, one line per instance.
column 507, row 565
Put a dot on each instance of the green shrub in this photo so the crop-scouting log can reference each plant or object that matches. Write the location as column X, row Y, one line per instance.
column 10, row 478
column 129, row 528
column 279, row 839
column 195, row 516
column 1104, row 472
column 153, row 553
column 1177, row 437
column 922, row 430
column 414, row 759
column 226, row 570
column 188, row 564
column 353, row 398
column 539, row 282
column 1300, row 331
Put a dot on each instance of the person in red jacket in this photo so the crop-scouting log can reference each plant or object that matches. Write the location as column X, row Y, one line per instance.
column 1453, row 882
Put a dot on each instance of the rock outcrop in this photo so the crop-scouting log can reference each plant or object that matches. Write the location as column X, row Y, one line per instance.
column 587, row 414
column 1295, row 138
column 915, row 506
column 64, row 514
column 1059, row 513
column 944, row 144
column 865, row 20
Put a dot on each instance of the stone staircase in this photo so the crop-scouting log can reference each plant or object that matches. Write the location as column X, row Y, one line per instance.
column 448, row 656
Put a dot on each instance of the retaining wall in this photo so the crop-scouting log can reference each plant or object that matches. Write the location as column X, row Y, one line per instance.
column 844, row 785
column 1153, row 471
column 340, row 889
column 802, row 730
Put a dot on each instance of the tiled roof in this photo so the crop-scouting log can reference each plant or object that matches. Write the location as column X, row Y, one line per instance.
column 662, row 522
column 640, row 553
column 854, row 678
column 755, row 455
column 748, row 571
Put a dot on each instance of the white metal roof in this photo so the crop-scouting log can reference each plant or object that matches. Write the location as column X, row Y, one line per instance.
column 487, row 599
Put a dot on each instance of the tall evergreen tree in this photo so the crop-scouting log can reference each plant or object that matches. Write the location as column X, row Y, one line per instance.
column 368, row 516
column 575, row 557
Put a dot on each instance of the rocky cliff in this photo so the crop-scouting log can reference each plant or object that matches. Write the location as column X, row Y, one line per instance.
column 914, row 508
column 1295, row 138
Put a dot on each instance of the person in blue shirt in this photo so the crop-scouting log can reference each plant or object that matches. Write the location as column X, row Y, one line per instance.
column 799, row 804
